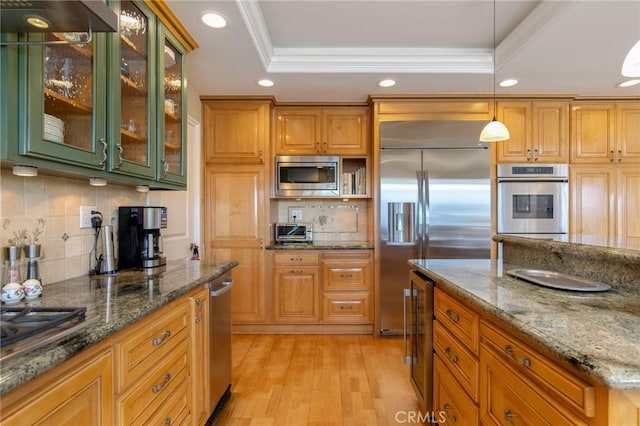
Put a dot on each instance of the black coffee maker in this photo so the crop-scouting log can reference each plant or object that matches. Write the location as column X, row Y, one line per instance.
column 139, row 239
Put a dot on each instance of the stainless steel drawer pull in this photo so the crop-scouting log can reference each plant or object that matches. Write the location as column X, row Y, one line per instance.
column 199, row 317
column 158, row 388
column 346, row 308
column 296, row 259
column 522, row 361
column 346, row 275
column 160, row 340
column 452, row 315
column 453, row 358
column 167, row 421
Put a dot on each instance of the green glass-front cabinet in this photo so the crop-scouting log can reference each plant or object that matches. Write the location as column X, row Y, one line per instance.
column 113, row 108
column 132, row 107
column 172, row 101
column 63, row 117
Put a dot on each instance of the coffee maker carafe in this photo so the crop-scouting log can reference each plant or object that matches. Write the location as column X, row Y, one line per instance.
column 139, row 238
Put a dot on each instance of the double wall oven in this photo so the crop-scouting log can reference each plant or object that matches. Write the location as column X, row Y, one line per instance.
column 533, row 200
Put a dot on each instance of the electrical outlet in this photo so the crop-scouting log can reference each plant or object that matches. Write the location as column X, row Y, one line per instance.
column 85, row 216
column 295, row 215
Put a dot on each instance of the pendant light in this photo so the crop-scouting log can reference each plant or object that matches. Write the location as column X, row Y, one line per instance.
column 494, row 131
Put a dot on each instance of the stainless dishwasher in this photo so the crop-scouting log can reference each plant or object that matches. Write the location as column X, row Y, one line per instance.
column 220, row 342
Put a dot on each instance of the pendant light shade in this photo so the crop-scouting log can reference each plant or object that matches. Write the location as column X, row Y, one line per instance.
column 631, row 64
column 494, row 131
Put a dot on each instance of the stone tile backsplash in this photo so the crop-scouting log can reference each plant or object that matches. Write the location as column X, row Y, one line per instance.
column 48, row 208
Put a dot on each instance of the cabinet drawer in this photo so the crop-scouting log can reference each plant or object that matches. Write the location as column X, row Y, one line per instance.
column 572, row 391
column 150, row 394
column 350, row 308
column 346, row 275
column 462, row 364
column 512, row 399
column 295, row 258
column 461, row 321
column 450, row 402
column 155, row 337
column 173, row 411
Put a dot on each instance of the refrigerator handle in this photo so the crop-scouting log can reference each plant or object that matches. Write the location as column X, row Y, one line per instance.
column 427, row 213
column 419, row 220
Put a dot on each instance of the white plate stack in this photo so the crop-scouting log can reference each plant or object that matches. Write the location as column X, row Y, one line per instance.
column 53, row 129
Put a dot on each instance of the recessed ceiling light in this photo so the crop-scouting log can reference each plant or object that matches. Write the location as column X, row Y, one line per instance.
column 628, row 83
column 387, row 83
column 94, row 181
column 508, row 82
column 214, row 20
column 142, row 188
column 266, row 83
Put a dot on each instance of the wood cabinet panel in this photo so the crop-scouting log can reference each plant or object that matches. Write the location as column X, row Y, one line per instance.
column 628, row 203
column 317, row 130
column 235, row 131
column 450, row 400
column 80, row 394
column 296, row 295
column 592, row 133
column 346, row 307
column 157, row 335
column 566, row 388
column 539, row 131
column 348, row 273
column 628, row 134
column 296, row 258
column 508, row 399
column 461, row 321
column 460, row 362
column 139, row 403
column 200, row 360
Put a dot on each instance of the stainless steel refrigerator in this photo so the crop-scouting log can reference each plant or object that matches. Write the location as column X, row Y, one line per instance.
column 435, row 202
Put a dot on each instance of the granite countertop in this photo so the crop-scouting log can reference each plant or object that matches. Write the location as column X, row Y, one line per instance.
column 324, row 245
column 116, row 300
column 597, row 333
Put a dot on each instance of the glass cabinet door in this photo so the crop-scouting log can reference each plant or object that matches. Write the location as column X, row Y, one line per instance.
column 65, row 92
column 133, row 150
column 172, row 125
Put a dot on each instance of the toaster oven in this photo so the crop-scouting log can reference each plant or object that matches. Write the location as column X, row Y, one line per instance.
column 286, row 233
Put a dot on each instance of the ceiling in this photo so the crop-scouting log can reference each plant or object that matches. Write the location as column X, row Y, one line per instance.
column 338, row 50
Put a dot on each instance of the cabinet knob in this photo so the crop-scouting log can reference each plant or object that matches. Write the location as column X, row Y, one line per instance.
column 619, row 155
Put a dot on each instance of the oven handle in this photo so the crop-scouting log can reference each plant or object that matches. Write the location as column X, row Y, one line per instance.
column 504, row 180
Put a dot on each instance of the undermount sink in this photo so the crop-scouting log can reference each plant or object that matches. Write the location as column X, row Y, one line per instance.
column 558, row 280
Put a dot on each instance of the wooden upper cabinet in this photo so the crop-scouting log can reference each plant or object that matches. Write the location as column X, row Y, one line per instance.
column 539, row 131
column 628, row 134
column 592, row 133
column 314, row 130
column 236, row 132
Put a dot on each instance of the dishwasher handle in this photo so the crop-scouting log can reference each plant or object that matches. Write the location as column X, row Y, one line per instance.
column 224, row 287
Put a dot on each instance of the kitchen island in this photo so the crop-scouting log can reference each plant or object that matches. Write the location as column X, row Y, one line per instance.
column 117, row 301
column 580, row 351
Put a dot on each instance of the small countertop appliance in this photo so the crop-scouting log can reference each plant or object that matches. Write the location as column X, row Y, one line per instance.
column 139, row 238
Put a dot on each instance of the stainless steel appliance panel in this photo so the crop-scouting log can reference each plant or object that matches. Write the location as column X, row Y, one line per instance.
column 450, row 193
column 533, row 199
column 220, row 340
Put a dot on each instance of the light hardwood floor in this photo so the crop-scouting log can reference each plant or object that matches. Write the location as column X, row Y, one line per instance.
column 298, row 380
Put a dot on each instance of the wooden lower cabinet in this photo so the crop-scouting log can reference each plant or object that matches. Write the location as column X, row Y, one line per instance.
column 322, row 288
column 79, row 392
column 517, row 384
column 450, row 402
column 154, row 372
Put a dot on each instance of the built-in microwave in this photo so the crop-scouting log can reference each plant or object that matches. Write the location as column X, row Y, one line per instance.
column 307, row 176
